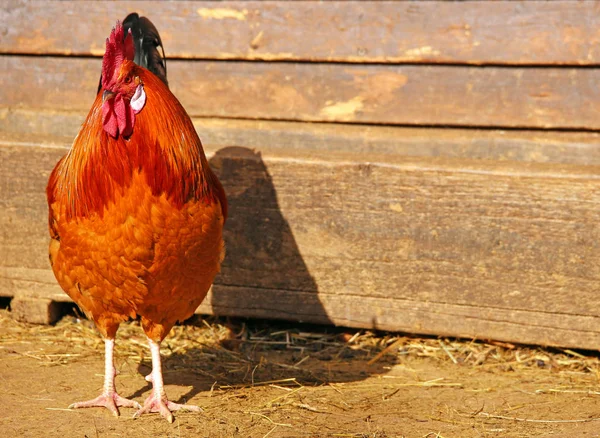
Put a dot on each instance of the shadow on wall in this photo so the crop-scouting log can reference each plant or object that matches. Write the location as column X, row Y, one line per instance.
column 263, row 274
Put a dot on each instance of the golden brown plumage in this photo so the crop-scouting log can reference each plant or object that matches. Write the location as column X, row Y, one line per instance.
column 135, row 220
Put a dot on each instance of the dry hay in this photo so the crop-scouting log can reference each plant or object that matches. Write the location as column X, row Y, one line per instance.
column 237, row 355
column 238, row 344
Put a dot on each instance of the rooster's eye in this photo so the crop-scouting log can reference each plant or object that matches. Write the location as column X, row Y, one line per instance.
column 128, row 79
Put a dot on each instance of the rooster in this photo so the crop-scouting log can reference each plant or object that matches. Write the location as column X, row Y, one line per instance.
column 135, row 212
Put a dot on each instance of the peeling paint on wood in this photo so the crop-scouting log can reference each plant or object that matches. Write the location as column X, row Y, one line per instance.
column 422, row 52
column 223, row 13
column 342, row 110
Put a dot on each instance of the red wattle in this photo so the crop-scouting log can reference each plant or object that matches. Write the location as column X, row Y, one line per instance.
column 125, row 116
column 118, row 117
column 109, row 119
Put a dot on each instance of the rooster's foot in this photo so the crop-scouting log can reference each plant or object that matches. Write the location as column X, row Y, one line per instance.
column 156, row 403
column 111, row 401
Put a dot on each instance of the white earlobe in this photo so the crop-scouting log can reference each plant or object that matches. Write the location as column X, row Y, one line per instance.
column 139, row 99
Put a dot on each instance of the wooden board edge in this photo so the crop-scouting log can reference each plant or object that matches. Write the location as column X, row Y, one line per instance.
column 21, row 127
column 473, row 33
column 508, row 325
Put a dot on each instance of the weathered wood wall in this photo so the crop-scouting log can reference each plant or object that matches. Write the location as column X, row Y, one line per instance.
column 447, row 183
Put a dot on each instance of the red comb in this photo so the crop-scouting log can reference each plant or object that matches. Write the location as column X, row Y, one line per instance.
column 118, row 48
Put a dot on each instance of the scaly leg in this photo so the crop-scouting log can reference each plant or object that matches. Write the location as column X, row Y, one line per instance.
column 109, row 398
column 158, row 401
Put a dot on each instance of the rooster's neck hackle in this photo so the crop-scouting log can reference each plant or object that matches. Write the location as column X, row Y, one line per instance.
column 164, row 147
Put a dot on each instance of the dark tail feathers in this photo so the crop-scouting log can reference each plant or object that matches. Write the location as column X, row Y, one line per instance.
column 146, row 40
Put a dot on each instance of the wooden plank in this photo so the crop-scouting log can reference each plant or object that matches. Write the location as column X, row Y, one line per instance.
column 475, row 32
column 416, row 316
column 55, row 128
column 35, row 310
column 407, row 95
column 408, row 315
column 460, row 247
column 35, row 283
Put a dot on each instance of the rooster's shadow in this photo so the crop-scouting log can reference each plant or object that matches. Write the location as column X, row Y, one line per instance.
column 263, row 258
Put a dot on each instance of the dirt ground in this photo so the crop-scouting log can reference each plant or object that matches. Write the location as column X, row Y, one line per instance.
column 282, row 380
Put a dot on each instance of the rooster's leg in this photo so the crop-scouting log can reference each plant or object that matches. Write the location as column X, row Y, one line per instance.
column 158, row 401
column 109, row 398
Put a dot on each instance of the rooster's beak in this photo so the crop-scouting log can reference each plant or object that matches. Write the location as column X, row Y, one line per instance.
column 107, row 94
